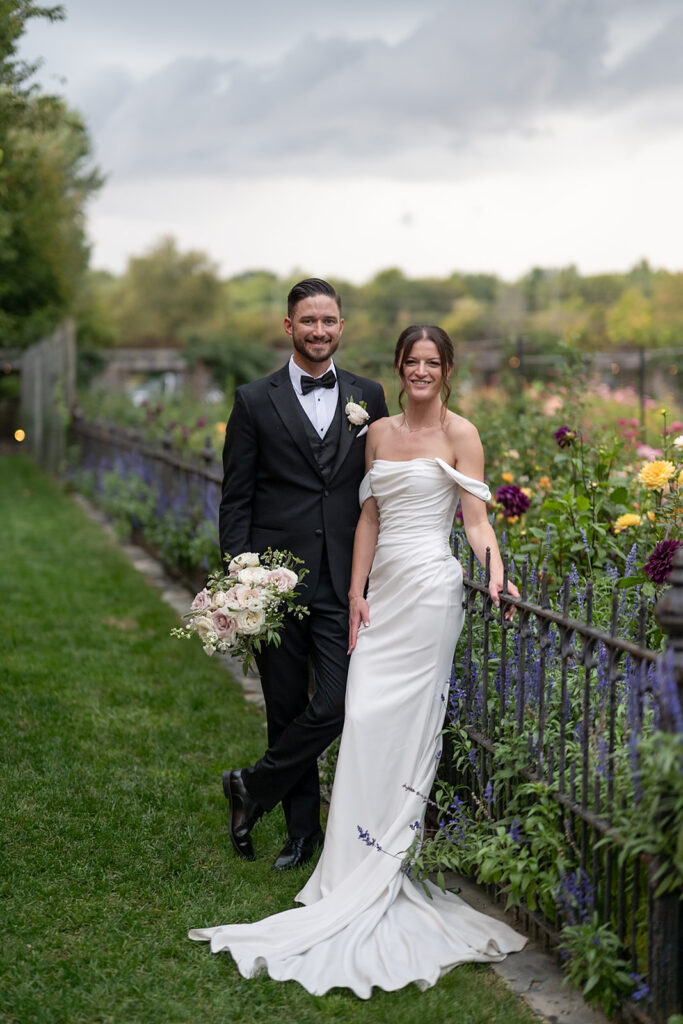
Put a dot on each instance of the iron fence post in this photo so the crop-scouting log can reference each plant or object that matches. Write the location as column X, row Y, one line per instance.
column 666, row 934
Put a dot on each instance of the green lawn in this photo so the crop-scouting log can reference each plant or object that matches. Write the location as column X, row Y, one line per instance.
column 114, row 737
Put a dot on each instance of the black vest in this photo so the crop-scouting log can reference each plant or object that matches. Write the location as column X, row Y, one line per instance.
column 324, row 448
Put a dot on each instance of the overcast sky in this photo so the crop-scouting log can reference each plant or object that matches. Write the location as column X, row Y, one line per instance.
column 341, row 138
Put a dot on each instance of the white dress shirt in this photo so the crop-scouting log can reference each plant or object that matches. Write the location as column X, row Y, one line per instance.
column 320, row 403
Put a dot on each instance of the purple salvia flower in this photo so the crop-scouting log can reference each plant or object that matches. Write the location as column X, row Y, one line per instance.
column 366, row 838
column 640, row 989
column 574, row 896
column 515, row 831
column 630, row 563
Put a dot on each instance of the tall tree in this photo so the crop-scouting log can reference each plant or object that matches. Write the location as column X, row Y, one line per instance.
column 164, row 294
column 45, row 181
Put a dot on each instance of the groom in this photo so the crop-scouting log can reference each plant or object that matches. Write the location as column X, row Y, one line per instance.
column 292, row 464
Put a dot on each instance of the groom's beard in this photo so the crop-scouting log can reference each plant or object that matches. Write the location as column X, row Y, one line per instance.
column 312, row 352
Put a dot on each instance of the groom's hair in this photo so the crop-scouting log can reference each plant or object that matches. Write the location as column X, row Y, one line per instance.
column 307, row 289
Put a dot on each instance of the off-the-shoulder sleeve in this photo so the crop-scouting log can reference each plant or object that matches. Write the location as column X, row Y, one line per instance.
column 468, row 483
column 365, row 490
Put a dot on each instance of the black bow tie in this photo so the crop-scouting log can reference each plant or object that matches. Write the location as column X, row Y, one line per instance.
column 328, row 380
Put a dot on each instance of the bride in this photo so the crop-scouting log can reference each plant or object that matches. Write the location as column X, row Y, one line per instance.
column 365, row 922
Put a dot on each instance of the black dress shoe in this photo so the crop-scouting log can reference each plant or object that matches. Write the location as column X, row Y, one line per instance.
column 243, row 815
column 296, row 852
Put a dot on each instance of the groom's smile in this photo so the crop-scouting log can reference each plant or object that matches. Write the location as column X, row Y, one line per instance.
column 315, row 328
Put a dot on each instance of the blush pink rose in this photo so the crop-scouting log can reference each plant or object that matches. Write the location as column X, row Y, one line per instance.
column 225, row 626
column 283, row 579
column 241, row 595
column 202, row 601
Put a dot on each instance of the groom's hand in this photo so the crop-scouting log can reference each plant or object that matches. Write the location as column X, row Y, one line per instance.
column 359, row 615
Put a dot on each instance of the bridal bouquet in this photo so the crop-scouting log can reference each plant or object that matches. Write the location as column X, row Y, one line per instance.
column 242, row 609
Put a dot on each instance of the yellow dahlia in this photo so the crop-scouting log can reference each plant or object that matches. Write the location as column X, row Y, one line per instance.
column 629, row 519
column 507, row 478
column 546, row 483
column 656, row 475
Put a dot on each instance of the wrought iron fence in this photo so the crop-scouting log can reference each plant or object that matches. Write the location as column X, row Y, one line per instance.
column 573, row 692
column 583, row 689
column 173, row 497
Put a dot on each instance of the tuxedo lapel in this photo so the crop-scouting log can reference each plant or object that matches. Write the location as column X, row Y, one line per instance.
column 283, row 397
column 349, row 391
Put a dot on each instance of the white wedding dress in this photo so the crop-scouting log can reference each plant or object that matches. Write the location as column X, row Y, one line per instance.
column 366, row 922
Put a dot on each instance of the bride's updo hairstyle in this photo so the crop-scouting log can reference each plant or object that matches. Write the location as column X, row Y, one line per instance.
column 426, row 332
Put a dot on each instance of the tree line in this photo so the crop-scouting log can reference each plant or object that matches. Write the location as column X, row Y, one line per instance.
column 167, row 297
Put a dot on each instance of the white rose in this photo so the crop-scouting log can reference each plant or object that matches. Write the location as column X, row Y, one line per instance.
column 678, row 441
column 243, row 560
column 220, row 598
column 250, row 622
column 252, row 575
column 356, row 414
column 203, row 625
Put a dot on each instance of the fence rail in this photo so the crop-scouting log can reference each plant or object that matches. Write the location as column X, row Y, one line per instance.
column 570, row 690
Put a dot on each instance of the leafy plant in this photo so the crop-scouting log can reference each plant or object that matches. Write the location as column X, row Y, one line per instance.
column 595, row 964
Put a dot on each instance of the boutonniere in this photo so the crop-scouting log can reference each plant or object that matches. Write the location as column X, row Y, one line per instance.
column 356, row 413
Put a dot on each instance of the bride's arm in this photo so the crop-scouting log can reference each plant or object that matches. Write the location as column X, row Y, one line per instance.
column 479, row 531
column 364, row 544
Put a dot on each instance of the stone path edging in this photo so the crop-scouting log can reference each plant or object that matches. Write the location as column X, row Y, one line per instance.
column 532, row 974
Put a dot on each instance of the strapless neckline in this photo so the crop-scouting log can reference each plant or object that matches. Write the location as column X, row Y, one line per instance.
column 405, row 462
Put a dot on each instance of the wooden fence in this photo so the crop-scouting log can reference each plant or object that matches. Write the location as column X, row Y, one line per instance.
column 48, row 392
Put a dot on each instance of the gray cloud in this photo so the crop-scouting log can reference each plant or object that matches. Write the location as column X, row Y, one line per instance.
column 334, row 105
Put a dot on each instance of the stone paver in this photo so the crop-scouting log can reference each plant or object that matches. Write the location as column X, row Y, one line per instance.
column 533, row 974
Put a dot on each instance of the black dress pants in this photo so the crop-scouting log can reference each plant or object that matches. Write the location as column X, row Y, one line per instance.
column 300, row 727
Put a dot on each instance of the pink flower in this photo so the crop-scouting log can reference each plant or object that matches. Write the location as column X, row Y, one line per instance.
column 240, row 596
column 646, row 451
column 202, row 601
column 225, row 625
column 283, row 579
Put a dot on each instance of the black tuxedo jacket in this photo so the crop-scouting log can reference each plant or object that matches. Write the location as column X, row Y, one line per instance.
column 274, row 494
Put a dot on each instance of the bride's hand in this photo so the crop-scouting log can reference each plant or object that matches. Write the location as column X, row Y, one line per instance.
column 496, row 588
column 359, row 615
